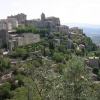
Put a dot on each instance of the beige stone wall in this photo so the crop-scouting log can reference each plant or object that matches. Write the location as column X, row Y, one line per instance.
column 94, row 62
column 20, row 41
column 63, row 29
column 56, row 42
column 55, row 20
column 72, row 35
column 12, row 44
column 3, row 25
column 31, row 38
column 4, row 35
column 69, row 44
column 13, row 22
column 20, row 18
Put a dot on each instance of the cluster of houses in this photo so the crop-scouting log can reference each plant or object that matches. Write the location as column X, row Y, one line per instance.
column 9, row 36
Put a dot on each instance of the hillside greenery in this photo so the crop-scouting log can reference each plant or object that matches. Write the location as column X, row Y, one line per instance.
column 45, row 71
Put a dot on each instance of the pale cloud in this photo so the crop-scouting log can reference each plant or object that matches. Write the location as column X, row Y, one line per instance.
column 14, row 4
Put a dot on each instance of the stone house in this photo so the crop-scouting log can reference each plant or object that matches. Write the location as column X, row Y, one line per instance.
column 92, row 61
column 22, row 39
column 20, row 18
column 3, row 24
column 56, row 42
column 69, row 44
column 63, row 29
column 4, row 36
column 81, row 46
column 72, row 35
column 13, row 22
column 51, row 23
column 76, row 30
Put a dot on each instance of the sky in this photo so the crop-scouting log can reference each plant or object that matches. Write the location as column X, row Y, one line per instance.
column 77, row 11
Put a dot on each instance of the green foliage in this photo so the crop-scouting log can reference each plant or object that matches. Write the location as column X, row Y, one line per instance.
column 95, row 70
column 5, row 91
column 19, row 52
column 65, row 37
column 58, row 57
column 88, row 44
column 61, row 48
column 47, row 52
column 3, row 63
column 78, row 52
column 75, row 41
column 42, row 32
column 29, row 28
column 51, row 45
column 59, row 68
column 36, row 63
column 77, row 82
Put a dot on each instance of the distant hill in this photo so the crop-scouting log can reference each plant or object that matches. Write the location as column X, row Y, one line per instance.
column 92, row 26
column 90, row 30
column 94, row 34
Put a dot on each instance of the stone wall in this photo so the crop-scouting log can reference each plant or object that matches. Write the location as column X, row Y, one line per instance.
column 20, row 18
column 4, row 35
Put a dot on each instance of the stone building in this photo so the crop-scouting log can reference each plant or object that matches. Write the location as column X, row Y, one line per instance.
column 72, row 35
column 13, row 22
column 63, row 29
column 8, row 24
column 76, row 30
column 4, row 36
column 51, row 23
column 20, row 18
column 56, row 42
column 81, row 46
column 69, row 44
column 3, row 24
column 92, row 61
column 22, row 39
column 12, row 44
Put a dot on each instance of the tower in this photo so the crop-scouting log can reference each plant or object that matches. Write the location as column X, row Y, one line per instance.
column 43, row 17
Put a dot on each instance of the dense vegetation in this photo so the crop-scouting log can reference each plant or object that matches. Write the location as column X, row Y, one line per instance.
column 31, row 29
column 45, row 71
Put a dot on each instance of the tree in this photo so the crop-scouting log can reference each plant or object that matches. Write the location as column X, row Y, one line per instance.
column 5, row 91
column 58, row 57
column 46, row 84
column 78, row 52
column 3, row 63
column 76, row 82
column 95, row 70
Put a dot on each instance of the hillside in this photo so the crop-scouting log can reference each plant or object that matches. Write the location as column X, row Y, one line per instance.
column 93, row 33
column 90, row 30
column 52, row 68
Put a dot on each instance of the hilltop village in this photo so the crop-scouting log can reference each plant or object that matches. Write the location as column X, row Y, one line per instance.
column 39, row 54
column 8, row 33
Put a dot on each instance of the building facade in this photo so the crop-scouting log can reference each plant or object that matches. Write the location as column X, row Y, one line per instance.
column 51, row 23
column 22, row 39
column 4, row 36
column 20, row 18
column 92, row 61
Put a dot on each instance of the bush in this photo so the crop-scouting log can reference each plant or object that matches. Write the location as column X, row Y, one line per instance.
column 58, row 57
column 36, row 63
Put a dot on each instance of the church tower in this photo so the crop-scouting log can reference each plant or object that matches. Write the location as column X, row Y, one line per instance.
column 43, row 17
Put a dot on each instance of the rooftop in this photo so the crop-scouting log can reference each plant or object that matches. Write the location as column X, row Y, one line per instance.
column 93, row 57
column 52, row 17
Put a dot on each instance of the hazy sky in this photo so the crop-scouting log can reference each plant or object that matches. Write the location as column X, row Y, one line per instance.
column 80, row 11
